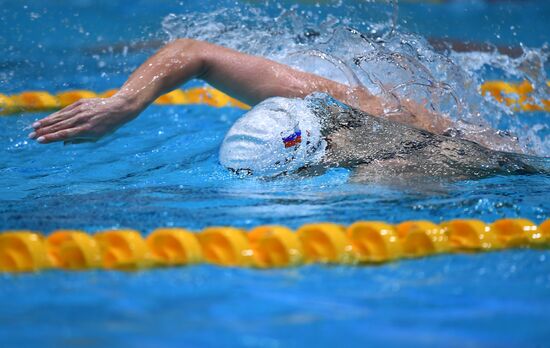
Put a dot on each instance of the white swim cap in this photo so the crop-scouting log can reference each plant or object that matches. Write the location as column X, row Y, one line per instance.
column 279, row 135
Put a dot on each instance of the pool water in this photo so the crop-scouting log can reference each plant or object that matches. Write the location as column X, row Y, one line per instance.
column 163, row 170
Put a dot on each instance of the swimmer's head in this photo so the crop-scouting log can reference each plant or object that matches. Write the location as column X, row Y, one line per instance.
column 277, row 136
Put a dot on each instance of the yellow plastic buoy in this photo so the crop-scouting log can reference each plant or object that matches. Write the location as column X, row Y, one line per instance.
column 22, row 251
column 174, row 246
column 35, row 101
column 108, row 93
column 7, row 105
column 525, row 100
column 515, row 232
column 374, row 241
column 176, row 97
column 122, row 249
column 264, row 246
column 518, row 95
column 470, row 235
column 497, row 88
column 325, row 242
column 421, row 238
column 275, row 246
column 68, row 97
column 217, row 98
column 238, row 104
column 544, row 233
column 70, row 249
column 200, row 95
column 226, row 246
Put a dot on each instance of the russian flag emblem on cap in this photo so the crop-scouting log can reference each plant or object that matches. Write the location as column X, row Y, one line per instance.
column 293, row 139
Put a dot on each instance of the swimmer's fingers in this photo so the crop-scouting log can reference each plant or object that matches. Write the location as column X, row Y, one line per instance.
column 60, row 115
column 64, row 135
column 67, row 123
column 55, row 118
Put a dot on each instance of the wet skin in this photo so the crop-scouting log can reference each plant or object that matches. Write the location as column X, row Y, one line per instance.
column 379, row 149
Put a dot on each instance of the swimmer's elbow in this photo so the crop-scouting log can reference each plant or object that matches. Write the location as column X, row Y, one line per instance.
column 193, row 50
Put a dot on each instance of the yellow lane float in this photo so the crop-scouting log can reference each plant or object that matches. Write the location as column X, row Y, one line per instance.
column 108, row 93
column 470, row 235
column 226, row 246
column 22, row 251
column 544, row 233
column 275, row 246
column 326, row 243
column 176, row 97
column 174, row 247
column 515, row 232
column 264, row 247
column 69, row 97
column 421, row 238
column 7, row 105
column 374, row 241
column 123, row 249
column 518, row 96
column 36, row 101
column 70, row 249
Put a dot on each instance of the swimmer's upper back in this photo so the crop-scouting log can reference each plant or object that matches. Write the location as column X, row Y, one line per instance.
column 355, row 138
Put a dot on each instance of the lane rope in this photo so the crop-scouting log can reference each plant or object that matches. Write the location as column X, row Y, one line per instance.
column 518, row 96
column 40, row 101
column 263, row 247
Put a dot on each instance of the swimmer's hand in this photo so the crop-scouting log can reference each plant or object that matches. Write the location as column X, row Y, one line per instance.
column 85, row 120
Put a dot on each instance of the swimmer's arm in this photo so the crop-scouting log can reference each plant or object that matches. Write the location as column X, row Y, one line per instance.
column 248, row 78
column 253, row 79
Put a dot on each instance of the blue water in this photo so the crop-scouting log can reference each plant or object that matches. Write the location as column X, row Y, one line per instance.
column 162, row 170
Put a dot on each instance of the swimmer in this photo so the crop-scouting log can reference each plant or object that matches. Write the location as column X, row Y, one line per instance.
column 282, row 135
column 287, row 131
